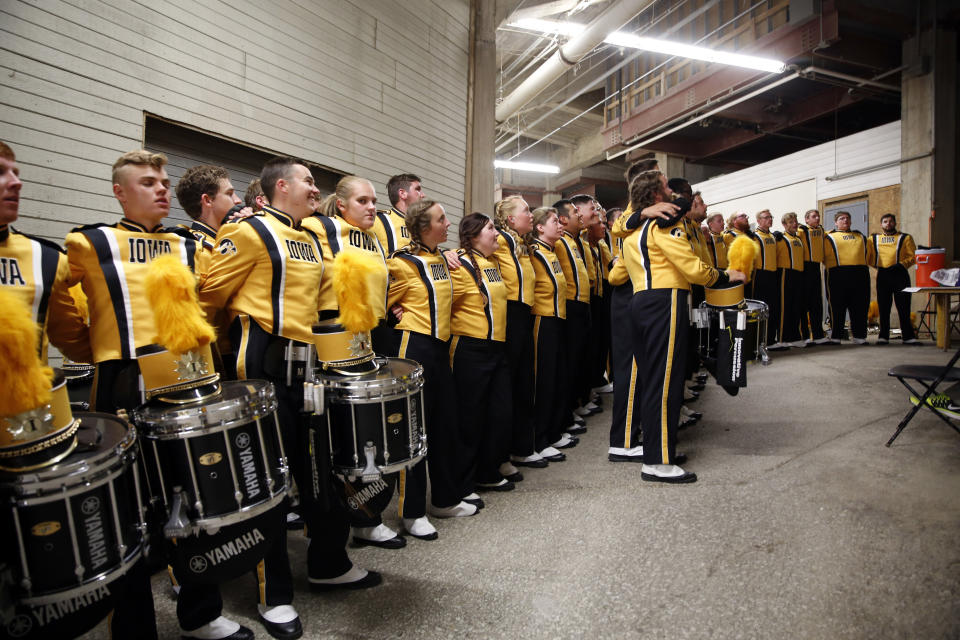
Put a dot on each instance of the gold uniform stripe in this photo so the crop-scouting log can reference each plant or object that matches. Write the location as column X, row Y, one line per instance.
column 454, row 341
column 262, row 582
column 242, row 349
column 664, row 448
column 401, row 491
column 404, row 341
column 627, row 432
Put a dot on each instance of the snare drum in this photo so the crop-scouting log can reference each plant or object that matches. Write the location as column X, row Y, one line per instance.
column 215, row 462
column 78, row 525
column 707, row 321
column 375, row 420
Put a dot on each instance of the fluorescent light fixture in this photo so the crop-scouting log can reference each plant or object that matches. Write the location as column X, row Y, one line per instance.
column 526, row 166
column 654, row 45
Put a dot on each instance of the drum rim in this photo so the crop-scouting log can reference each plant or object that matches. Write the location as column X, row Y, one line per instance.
column 340, row 396
column 177, row 432
column 54, row 490
column 103, row 578
column 265, row 394
column 395, row 384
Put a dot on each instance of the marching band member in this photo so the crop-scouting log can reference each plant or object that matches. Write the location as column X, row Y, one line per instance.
column 892, row 253
column 110, row 262
column 390, row 226
column 594, row 240
column 420, row 285
column 345, row 223
column 478, row 328
column 766, row 286
column 790, row 264
column 36, row 270
column 662, row 264
column 716, row 247
column 577, row 326
column 737, row 224
column 812, row 236
column 550, row 411
column 848, row 279
column 513, row 220
column 587, row 211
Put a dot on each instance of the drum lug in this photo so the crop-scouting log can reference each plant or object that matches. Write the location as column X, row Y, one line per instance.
column 370, row 472
column 178, row 526
column 764, row 356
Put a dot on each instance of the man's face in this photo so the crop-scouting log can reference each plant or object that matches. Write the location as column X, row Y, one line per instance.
column 764, row 220
column 698, row 209
column 790, row 226
column 597, row 231
column 571, row 222
column 812, row 218
column 225, row 199
column 741, row 222
column 588, row 213
column 298, row 193
column 888, row 224
column 715, row 224
column 412, row 194
column 843, row 223
column 666, row 193
column 144, row 193
column 9, row 191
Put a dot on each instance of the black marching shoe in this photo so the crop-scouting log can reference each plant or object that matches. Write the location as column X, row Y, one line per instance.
column 289, row 630
column 352, row 580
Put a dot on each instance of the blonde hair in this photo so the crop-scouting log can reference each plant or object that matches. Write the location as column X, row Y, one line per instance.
column 328, row 206
column 417, row 220
column 6, row 152
column 540, row 216
column 140, row 158
column 788, row 216
column 502, row 212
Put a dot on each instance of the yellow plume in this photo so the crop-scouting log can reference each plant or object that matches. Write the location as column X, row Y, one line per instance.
column 23, row 378
column 360, row 282
column 741, row 255
column 80, row 302
column 172, row 291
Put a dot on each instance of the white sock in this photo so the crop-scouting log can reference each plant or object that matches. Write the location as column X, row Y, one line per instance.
column 278, row 613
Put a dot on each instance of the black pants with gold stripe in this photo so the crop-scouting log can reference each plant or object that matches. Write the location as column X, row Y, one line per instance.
column 811, row 323
column 520, row 361
column 440, row 418
column 550, row 375
column 484, row 414
column 791, row 304
column 849, row 287
column 577, row 343
column 625, row 418
column 660, row 323
column 891, row 282
column 766, row 288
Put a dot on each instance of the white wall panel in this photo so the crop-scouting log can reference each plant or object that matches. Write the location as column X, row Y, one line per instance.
column 797, row 181
column 372, row 87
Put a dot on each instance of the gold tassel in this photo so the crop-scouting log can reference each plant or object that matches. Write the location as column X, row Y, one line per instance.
column 172, row 291
column 80, row 302
column 741, row 255
column 24, row 379
column 360, row 282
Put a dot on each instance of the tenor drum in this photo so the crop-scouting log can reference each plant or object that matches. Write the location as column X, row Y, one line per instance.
column 77, row 526
column 375, row 420
column 216, row 461
column 707, row 321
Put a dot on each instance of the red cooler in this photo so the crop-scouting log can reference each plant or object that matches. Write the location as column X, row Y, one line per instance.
column 928, row 261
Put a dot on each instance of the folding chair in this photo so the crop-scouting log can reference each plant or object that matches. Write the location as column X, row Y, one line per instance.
column 930, row 377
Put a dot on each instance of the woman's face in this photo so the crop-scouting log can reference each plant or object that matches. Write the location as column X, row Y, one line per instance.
column 486, row 241
column 550, row 231
column 436, row 232
column 360, row 208
column 521, row 220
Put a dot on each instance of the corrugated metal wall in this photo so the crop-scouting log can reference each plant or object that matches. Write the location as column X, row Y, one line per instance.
column 372, row 87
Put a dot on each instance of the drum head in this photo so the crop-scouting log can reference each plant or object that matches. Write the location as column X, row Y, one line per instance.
column 238, row 402
column 229, row 553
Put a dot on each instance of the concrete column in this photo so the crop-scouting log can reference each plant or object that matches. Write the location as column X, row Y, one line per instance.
column 928, row 198
column 481, row 104
column 670, row 165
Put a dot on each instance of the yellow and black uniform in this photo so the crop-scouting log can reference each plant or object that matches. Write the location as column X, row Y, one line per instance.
column 848, row 282
column 766, row 283
column 662, row 265
column 111, row 262
column 600, row 313
column 576, row 342
column 516, row 269
column 892, row 255
column 478, row 359
column 390, row 227
column 265, row 275
column 550, row 357
column 811, row 325
column 790, row 265
column 729, row 235
column 206, row 237
column 420, row 283
column 37, row 272
column 716, row 250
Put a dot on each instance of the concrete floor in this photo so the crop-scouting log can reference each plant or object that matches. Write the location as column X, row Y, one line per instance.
column 802, row 525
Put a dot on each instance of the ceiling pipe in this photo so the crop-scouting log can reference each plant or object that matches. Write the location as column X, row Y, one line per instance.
column 569, row 55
